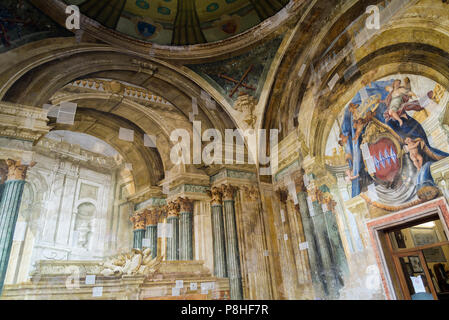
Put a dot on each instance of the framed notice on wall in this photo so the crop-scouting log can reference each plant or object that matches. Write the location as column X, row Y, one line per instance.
column 423, row 236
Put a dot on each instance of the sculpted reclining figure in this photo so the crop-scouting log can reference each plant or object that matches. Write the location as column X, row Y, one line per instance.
column 138, row 262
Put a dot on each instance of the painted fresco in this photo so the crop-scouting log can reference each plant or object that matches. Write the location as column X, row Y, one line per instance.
column 389, row 135
column 163, row 22
column 21, row 23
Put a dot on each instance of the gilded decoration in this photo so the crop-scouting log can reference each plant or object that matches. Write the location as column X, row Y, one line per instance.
column 173, row 209
column 138, row 220
column 228, row 191
column 185, row 204
column 216, row 196
column 151, row 216
column 16, row 170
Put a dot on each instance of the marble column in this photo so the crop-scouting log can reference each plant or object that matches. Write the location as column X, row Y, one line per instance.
column 138, row 220
column 334, row 237
column 232, row 246
column 173, row 238
column 185, row 229
column 3, row 175
column 323, row 241
column 151, row 217
column 9, row 210
column 309, row 233
column 220, row 269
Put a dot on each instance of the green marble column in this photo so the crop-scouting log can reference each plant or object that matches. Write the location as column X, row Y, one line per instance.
column 173, row 241
column 186, row 236
column 9, row 210
column 220, row 269
column 336, row 244
column 232, row 246
column 312, row 251
column 151, row 234
column 138, row 236
column 328, row 270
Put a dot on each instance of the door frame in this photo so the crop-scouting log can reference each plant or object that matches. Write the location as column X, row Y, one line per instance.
column 377, row 226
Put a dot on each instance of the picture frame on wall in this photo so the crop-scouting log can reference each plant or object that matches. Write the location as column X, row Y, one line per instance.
column 416, row 264
column 423, row 236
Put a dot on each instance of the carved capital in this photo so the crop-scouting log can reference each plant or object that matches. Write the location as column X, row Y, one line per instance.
column 251, row 193
column 138, row 220
column 185, row 204
column 173, row 209
column 151, row 217
column 216, row 194
column 228, row 191
column 299, row 182
column 16, row 170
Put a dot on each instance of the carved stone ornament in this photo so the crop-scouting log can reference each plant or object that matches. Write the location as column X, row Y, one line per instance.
column 16, row 170
column 138, row 220
column 151, row 216
column 173, row 209
column 216, row 194
column 228, row 191
column 185, row 205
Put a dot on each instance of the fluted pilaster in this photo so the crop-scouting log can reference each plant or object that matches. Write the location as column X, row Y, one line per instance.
column 9, row 210
column 151, row 218
column 220, row 269
column 185, row 229
column 232, row 248
column 173, row 241
column 138, row 220
column 323, row 241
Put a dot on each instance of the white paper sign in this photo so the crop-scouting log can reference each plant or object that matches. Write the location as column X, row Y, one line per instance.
column 90, row 279
column 282, row 215
column 193, row 286
column 126, row 134
column 418, row 285
column 97, row 291
column 149, row 141
column 310, row 205
column 303, row 245
column 207, row 286
column 175, row 291
column 265, row 253
column 333, row 81
column 301, row 71
column 179, row 284
column 285, row 236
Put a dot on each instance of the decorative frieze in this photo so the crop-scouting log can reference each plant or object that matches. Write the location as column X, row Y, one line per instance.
column 234, row 174
column 22, row 122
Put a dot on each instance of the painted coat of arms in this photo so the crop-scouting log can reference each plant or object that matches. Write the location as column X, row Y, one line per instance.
column 386, row 146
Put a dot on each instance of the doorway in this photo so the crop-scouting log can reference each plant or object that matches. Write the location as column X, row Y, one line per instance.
column 420, row 254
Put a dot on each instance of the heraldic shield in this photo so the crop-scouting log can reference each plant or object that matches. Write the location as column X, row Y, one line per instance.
column 382, row 152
